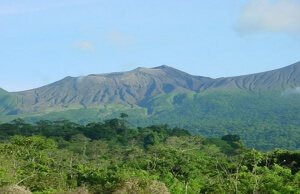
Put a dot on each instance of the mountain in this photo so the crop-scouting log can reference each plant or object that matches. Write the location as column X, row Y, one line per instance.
column 130, row 88
column 139, row 85
column 279, row 79
column 263, row 108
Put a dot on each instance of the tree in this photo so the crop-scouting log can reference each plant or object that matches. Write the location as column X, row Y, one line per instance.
column 123, row 115
column 78, row 144
column 231, row 138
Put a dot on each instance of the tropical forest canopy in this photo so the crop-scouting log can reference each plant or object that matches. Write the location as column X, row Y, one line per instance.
column 113, row 157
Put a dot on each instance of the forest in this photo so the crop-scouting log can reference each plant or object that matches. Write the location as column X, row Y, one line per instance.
column 264, row 120
column 116, row 157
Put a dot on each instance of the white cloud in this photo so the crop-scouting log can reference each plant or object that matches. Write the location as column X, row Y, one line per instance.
column 270, row 15
column 86, row 45
column 120, row 39
column 291, row 91
column 79, row 79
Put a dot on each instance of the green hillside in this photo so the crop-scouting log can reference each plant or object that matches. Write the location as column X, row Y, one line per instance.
column 8, row 103
column 62, row 157
column 265, row 120
column 263, row 108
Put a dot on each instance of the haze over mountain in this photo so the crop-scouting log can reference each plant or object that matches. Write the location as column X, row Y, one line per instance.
column 263, row 108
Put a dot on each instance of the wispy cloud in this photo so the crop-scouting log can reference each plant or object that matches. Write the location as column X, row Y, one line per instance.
column 270, row 15
column 291, row 91
column 80, row 79
column 120, row 39
column 86, row 46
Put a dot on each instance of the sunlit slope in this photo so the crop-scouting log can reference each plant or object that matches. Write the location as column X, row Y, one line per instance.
column 8, row 103
column 264, row 120
column 136, row 87
column 263, row 108
column 127, row 88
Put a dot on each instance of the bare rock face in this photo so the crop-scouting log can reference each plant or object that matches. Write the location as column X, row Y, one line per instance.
column 135, row 87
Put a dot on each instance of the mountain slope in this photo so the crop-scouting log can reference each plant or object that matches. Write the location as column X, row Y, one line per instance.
column 263, row 108
column 137, row 86
column 8, row 103
column 264, row 120
column 279, row 79
column 129, row 88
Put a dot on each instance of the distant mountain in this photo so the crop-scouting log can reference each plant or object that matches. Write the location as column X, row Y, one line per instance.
column 139, row 85
column 263, row 108
column 130, row 88
column 279, row 79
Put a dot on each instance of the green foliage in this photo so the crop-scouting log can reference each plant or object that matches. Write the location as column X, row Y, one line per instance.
column 265, row 120
column 110, row 157
column 8, row 103
column 223, row 145
column 231, row 138
column 286, row 158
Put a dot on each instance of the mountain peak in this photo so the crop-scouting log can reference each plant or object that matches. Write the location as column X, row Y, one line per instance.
column 140, row 84
column 170, row 70
column 162, row 67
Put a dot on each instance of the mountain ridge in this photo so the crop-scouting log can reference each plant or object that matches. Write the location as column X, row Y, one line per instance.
column 263, row 108
column 129, row 87
column 138, row 86
column 285, row 77
column 166, row 67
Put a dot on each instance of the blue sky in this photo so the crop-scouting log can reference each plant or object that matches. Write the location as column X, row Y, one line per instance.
column 44, row 41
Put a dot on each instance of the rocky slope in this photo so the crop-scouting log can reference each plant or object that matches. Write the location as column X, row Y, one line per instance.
column 279, row 79
column 139, row 85
column 131, row 88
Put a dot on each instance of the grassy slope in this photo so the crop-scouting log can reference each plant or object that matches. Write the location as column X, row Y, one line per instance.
column 264, row 120
column 8, row 103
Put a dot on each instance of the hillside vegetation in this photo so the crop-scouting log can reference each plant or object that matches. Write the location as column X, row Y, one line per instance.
column 110, row 157
column 264, row 120
column 8, row 103
column 262, row 108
